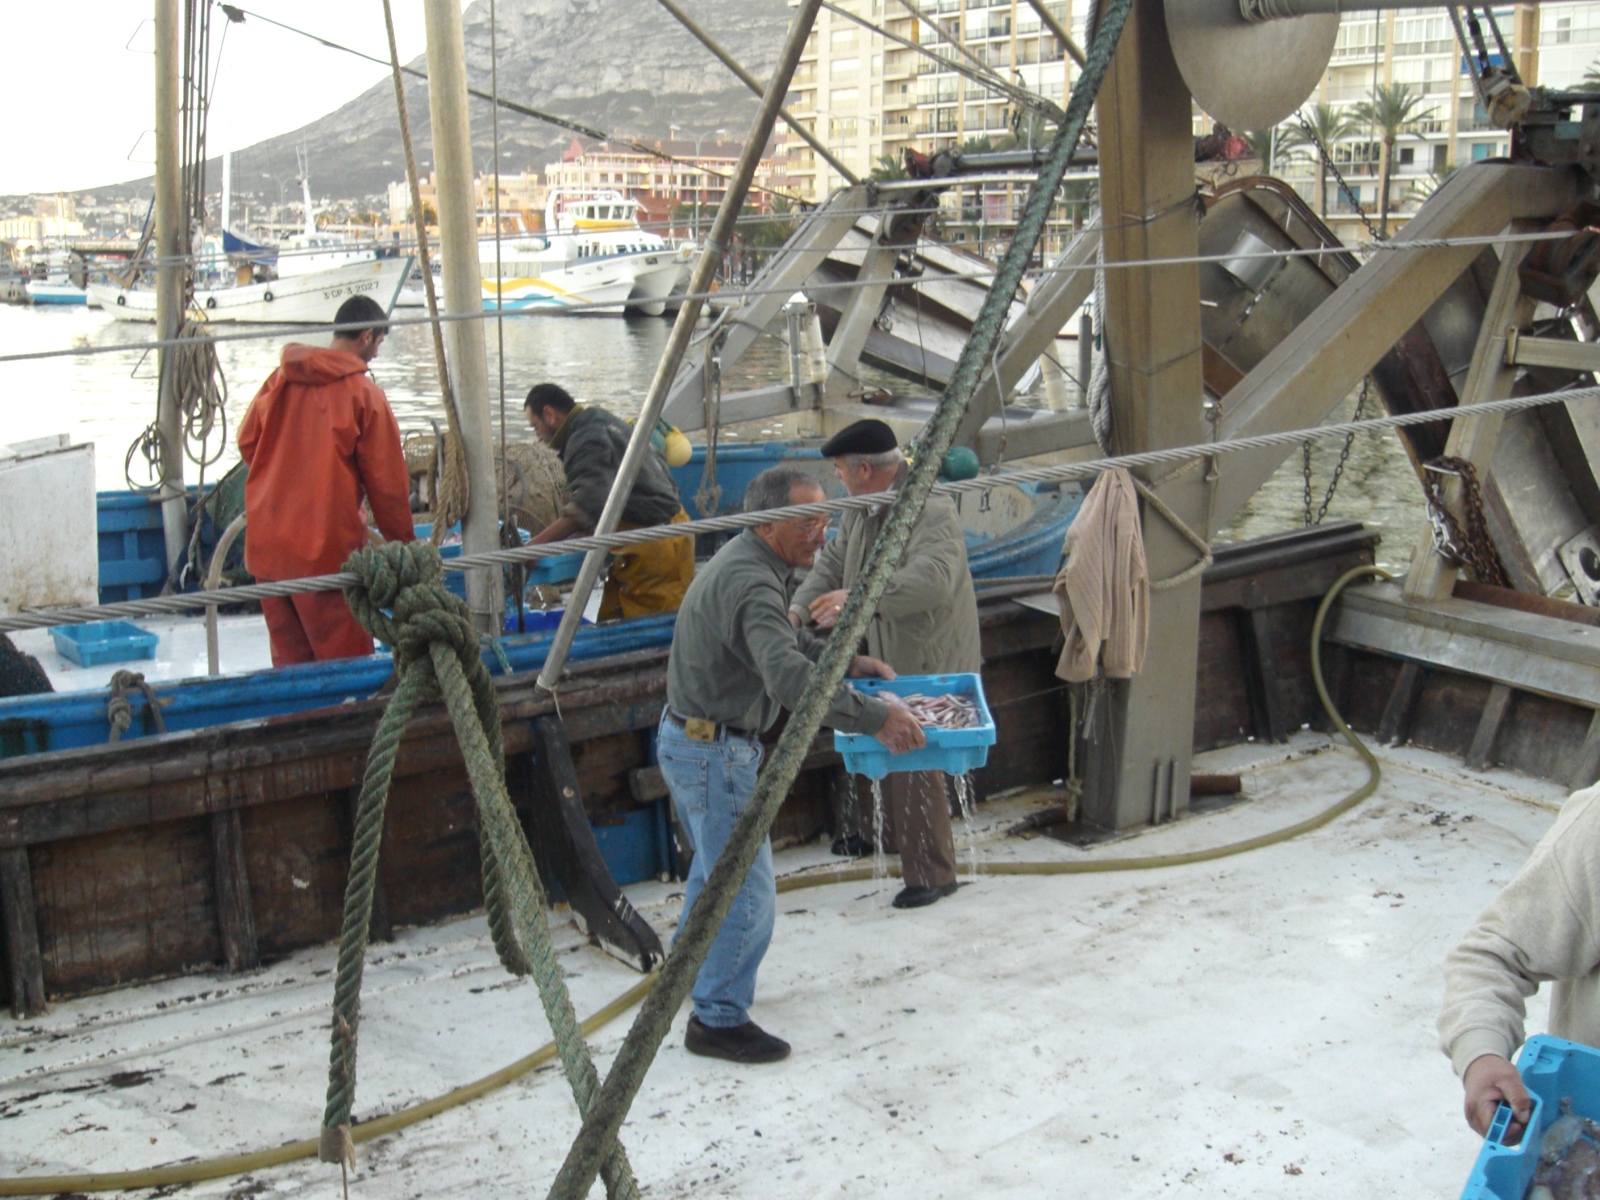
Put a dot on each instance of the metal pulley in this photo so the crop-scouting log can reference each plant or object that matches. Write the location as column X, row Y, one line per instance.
column 1249, row 73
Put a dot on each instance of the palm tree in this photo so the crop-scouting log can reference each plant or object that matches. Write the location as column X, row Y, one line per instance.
column 1392, row 109
column 1079, row 195
column 1591, row 78
column 1328, row 124
column 1261, row 142
column 887, row 169
column 1422, row 190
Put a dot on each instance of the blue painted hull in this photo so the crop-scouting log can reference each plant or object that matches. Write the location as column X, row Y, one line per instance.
column 131, row 566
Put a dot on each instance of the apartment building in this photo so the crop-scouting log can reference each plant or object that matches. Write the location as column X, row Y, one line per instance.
column 696, row 181
column 868, row 96
column 1552, row 45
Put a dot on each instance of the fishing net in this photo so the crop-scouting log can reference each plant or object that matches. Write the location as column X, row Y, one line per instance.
column 532, row 482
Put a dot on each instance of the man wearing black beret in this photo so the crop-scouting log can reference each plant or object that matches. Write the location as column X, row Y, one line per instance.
column 926, row 624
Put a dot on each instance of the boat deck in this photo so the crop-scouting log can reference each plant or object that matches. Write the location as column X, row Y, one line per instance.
column 1262, row 1025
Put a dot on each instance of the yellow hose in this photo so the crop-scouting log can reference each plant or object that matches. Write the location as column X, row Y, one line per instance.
column 239, row 1164
column 1155, row 861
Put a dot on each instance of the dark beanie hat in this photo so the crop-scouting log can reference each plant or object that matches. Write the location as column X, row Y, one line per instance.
column 863, row 437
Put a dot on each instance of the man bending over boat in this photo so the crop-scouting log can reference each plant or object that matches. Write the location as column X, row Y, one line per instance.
column 319, row 436
column 735, row 661
column 926, row 624
column 1543, row 926
column 648, row 578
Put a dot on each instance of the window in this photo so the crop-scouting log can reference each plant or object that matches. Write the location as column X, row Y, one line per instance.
column 846, row 66
column 1407, row 156
column 841, row 98
column 1440, row 159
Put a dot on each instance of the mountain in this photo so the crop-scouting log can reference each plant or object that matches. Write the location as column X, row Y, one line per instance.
column 624, row 66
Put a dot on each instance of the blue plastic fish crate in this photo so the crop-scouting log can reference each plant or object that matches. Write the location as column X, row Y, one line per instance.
column 558, row 568
column 954, row 751
column 1552, row 1069
column 103, row 642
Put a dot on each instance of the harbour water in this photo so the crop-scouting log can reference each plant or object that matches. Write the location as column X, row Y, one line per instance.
column 109, row 398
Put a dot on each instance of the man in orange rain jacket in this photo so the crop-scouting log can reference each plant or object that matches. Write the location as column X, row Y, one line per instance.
column 318, row 437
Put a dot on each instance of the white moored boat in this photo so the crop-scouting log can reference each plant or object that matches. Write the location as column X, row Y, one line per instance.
column 311, row 298
column 592, row 254
column 316, row 272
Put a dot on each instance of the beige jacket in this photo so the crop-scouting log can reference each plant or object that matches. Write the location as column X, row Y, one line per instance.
column 1543, row 927
column 927, row 620
column 1104, row 590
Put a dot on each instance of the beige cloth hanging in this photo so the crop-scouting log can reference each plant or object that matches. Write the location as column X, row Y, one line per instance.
column 1104, row 589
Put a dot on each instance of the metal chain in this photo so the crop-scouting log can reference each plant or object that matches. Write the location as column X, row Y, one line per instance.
column 1305, row 474
column 1466, row 545
column 1321, row 511
column 1344, row 454
column 1327, row 162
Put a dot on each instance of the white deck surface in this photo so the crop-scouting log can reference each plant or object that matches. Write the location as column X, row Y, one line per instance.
column 242, row 644
column 180, row 654
column 1260, row 1026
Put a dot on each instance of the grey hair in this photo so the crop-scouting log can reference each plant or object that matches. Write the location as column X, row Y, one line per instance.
column 771, row 488
column 886, row 458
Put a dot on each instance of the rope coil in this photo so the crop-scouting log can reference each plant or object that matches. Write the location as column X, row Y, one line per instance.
column 400, row 598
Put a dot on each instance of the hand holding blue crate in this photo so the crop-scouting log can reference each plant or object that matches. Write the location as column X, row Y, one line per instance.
column 954, row 751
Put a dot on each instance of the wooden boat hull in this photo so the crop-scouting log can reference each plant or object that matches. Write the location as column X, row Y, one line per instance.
column 228, row 844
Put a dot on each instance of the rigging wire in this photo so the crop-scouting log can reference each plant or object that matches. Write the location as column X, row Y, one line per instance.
column 507, row 529
column 1173, row 456
column 236, row 13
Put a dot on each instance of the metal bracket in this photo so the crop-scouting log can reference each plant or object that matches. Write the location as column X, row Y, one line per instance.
column 1525, row 351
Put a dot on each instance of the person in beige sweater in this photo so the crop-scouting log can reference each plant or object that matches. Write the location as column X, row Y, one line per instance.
column 1544, row 926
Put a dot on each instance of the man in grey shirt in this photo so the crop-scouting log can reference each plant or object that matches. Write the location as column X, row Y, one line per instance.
column 735, row 662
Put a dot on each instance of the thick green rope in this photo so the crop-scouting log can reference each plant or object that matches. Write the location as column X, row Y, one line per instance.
column 602, row 1122
column 436, row 654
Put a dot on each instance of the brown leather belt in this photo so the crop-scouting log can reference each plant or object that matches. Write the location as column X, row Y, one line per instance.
column 698, row 729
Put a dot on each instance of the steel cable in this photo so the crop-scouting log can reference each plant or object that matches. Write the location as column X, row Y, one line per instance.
column 1058, row 473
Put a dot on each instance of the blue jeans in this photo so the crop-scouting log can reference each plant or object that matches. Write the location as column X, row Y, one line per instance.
column 711, row 783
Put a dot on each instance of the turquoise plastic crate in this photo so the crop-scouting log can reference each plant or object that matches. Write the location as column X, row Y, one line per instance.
column 1552, row 1069
column 103, row 642
column 954, row 751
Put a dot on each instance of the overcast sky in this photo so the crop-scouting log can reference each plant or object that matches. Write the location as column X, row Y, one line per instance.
column 79, row 81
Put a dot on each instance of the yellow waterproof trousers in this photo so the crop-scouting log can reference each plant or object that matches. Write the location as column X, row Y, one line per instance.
column 648, row 578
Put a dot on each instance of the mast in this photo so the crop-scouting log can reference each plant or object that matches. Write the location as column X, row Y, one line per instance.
column 227, row 189
column 305, row 195
column 171, row 248
column 463, row 294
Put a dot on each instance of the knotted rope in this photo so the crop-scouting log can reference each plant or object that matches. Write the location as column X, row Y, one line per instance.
column 119, row 709
column 401, row 600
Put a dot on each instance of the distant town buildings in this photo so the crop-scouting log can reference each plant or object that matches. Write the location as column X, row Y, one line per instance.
column 693, row 180
column 52, row 218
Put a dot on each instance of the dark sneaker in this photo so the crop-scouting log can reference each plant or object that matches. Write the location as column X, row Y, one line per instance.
column 854, row 846
column 747, row 1043
column 921, row 897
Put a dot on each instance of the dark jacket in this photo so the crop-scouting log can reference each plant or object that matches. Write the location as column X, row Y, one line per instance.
column 591, row 442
